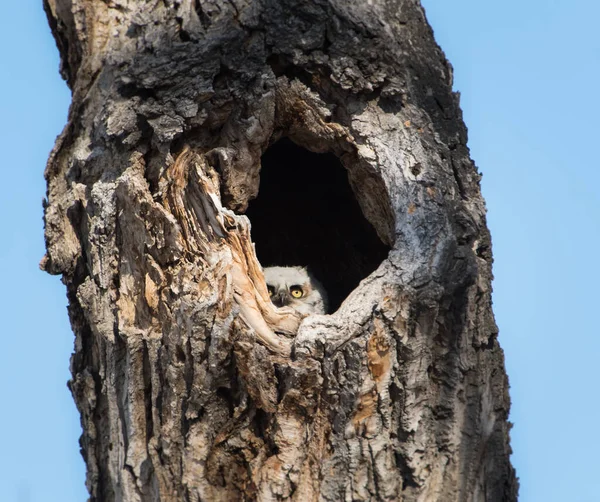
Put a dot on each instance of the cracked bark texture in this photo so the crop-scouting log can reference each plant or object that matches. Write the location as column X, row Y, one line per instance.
column 191, row 385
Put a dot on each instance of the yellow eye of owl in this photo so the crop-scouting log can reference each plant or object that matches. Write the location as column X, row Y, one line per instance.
column 271, row 290
column 296, row 292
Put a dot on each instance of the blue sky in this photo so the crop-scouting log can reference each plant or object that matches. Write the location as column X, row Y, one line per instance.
column 40, row 458
column 528, row 73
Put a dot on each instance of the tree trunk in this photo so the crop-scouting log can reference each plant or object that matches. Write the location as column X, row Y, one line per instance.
column 191, row 385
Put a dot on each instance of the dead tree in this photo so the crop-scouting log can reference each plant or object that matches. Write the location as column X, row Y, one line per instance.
column 331, row 127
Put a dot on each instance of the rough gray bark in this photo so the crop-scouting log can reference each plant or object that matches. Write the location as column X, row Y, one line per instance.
column 191, row 385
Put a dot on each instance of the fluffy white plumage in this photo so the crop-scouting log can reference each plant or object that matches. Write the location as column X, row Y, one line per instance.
column 297, row 288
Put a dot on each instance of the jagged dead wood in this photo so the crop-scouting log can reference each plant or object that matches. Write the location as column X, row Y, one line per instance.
column 190, row 384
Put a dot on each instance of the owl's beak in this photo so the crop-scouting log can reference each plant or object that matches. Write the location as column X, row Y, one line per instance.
column 280, row 299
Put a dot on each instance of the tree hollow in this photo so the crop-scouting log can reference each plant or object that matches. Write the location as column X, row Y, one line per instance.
column 306, row 214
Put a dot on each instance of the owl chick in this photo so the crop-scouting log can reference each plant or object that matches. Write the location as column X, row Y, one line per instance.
column 295, row 287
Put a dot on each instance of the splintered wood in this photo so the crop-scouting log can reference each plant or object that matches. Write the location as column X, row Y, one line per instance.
column 192, row 196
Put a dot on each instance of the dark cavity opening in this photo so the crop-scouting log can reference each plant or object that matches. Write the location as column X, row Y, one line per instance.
column 306, row 214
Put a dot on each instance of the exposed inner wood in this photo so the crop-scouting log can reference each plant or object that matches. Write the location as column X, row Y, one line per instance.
column 193, row 198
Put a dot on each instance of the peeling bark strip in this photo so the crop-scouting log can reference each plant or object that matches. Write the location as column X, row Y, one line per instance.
column 191, row 385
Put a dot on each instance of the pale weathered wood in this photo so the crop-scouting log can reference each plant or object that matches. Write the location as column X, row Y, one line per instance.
column 191, row 385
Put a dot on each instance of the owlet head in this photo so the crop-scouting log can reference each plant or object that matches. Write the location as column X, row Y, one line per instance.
column 295, row 287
